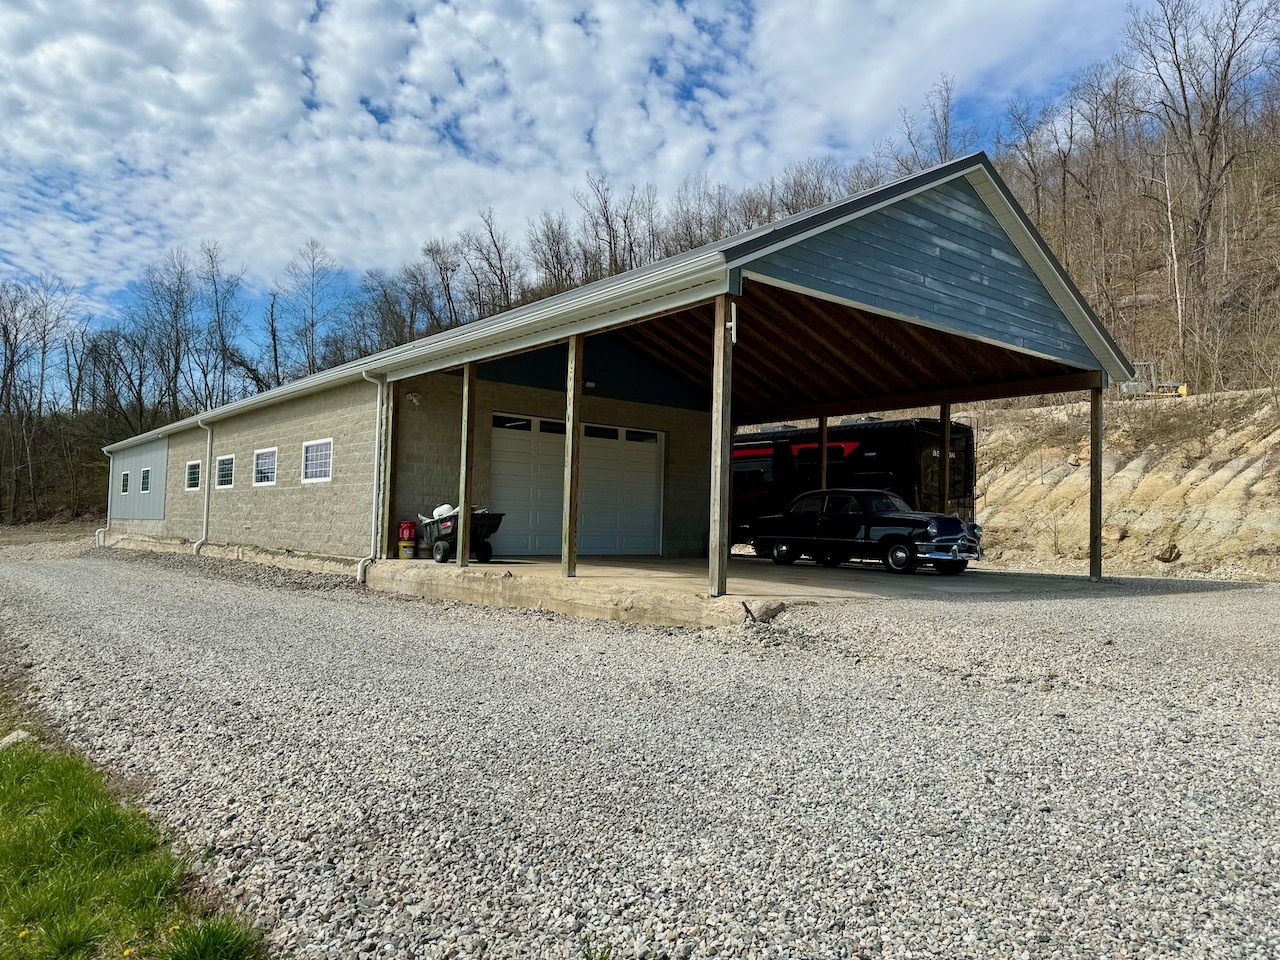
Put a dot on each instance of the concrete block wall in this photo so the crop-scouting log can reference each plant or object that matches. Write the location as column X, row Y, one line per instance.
column 429, row 436
column 330, row 518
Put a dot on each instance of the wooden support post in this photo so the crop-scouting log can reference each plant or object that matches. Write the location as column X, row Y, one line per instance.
column 721, row 449
column 468, row 456
column 822, row 452
column 1095, row 483
column 944, row 454
column 572, row 459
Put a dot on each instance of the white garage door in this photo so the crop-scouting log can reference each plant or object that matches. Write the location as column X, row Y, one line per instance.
column 620, row 497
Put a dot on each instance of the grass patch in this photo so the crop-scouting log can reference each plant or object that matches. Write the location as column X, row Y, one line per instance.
column 83, row 875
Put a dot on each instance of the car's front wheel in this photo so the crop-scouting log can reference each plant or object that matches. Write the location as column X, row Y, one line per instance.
column 899, row 557
column 784, row 553
column 949, row 568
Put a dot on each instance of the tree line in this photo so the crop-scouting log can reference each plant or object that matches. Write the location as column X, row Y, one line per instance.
column 1154, row 177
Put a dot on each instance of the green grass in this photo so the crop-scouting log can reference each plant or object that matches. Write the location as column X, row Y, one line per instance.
column 83, row 875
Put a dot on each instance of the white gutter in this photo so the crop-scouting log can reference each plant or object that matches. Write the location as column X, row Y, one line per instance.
column 206, row 477
column 375, row 521
column 100, row 535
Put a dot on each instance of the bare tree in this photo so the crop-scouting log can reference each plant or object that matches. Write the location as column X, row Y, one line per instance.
column 938, row 136
column 1202, row 68
column 312, row 295
column 495, row 267
column 219, row 298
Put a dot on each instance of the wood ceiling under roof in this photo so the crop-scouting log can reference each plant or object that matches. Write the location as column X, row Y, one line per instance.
column 800, row 356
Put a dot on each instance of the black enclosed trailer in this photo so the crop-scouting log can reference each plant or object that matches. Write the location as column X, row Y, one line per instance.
column 772, row 467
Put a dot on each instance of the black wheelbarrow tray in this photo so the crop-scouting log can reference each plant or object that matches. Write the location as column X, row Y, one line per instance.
column 442, row 534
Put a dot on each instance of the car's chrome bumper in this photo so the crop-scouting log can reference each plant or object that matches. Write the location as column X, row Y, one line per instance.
column 964, row 550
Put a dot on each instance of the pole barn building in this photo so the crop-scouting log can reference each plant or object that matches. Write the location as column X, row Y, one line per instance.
column 600, row 420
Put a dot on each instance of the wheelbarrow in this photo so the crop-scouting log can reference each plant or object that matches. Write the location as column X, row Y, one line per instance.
column 442, row 534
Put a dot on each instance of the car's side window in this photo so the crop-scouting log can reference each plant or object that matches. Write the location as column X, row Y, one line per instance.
column 880, row 505
column 808, row 505
column 841, row 505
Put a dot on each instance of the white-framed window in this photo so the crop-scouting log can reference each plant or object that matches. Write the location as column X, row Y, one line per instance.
column 264, row 467
column 144, row 482
column 225, row 473
column 124, row 484
column 317, row 461
column 193, row 474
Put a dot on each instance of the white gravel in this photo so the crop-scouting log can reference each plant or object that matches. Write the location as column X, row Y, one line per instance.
column 1006, row 776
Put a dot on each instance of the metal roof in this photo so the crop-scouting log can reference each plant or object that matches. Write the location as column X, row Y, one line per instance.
column 682, row 282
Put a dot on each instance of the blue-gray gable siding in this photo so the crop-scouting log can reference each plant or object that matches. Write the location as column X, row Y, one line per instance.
column 136, row 505
column 943, row 258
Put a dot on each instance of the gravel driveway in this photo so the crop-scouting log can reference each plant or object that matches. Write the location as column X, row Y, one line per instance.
column 373, row 776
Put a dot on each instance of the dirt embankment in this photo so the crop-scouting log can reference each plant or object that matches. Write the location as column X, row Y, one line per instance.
column 1190, row 486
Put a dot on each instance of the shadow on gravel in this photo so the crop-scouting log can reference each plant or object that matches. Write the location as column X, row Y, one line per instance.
column 1010, row 585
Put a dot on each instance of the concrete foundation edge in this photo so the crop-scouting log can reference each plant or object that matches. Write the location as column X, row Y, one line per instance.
column 486, row 587
column 282, row 559
column 569, row 596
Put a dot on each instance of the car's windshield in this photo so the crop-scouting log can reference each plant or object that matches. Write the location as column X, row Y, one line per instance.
column 885, row 502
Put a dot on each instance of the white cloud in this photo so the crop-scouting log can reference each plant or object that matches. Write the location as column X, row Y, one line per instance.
column 125, row 128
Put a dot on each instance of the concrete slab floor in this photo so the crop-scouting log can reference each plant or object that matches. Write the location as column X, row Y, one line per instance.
column 674, row 592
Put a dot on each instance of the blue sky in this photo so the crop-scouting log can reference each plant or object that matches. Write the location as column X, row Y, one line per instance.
column 373, row 125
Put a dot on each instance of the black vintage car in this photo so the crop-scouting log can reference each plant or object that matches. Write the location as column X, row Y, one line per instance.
column 833, row 526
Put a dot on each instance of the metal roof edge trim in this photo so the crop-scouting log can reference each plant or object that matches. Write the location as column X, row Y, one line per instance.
column 635, row 291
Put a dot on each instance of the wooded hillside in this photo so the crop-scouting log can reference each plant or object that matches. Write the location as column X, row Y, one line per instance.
column 1154, row 177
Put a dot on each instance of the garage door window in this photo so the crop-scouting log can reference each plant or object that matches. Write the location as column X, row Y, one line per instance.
column 513, row 423
column 641, row 436
column 600, row 433
column 551, row 426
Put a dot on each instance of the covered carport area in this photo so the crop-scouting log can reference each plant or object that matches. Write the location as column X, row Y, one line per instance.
column 930, row 291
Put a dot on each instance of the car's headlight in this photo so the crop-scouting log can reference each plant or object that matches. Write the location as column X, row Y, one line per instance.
column 932, row 528
column 975, row 531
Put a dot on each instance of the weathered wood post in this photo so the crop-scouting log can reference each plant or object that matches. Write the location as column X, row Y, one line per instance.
column 572, row 459
column 721, row 448
column 468, row 462
column 944, row 454
column 1095, row 483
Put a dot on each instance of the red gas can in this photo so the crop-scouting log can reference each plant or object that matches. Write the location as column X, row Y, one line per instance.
column 408, row 530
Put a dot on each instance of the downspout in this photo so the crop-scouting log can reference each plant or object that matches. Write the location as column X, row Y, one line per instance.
column 100, row 535
column 207, row 479
column 375, row 520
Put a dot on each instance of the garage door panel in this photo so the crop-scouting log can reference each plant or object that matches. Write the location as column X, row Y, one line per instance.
column 620, row 492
